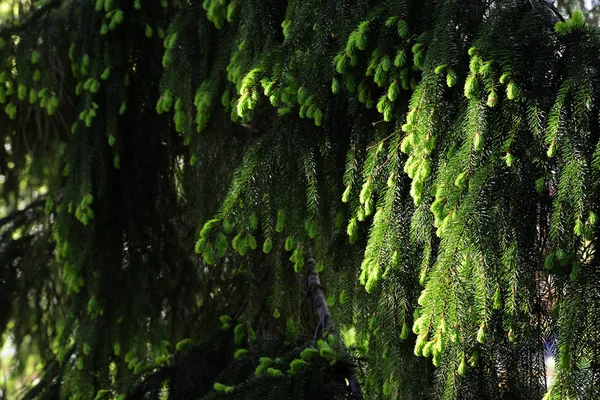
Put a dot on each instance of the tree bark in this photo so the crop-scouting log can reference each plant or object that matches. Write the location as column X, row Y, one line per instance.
column 325, row 321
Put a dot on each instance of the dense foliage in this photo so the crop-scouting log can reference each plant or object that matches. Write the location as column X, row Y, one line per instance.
column 266, row 199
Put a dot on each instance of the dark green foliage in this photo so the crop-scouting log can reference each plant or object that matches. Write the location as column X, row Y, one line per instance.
column 440, row 160
column 209, row 369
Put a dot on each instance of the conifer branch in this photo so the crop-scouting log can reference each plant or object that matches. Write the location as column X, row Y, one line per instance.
column 470, row 166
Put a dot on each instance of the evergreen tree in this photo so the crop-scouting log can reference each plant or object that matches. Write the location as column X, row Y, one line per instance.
column 267, row 199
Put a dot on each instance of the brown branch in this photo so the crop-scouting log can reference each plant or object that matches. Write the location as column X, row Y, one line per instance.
column 316, row 291
column 13, row 215
column 325, row 321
